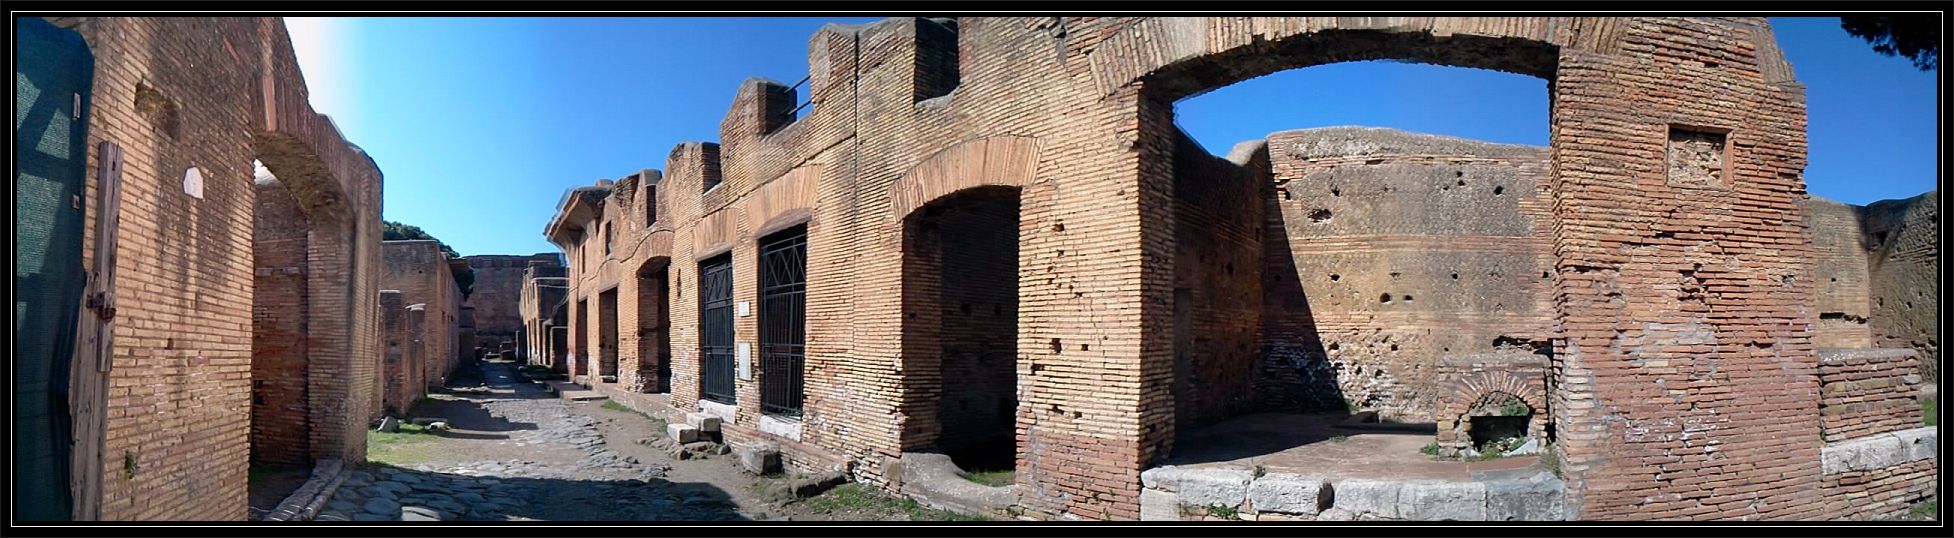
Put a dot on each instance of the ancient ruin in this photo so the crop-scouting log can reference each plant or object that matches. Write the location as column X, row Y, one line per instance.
column 981, row 245
column 224, row 320
column 1006, row 203
column 424, row 331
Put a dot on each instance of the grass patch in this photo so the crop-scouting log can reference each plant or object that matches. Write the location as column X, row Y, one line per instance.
column 1339, row 438
column 994, row 478
column 1925, row 510
column 867, row 503
column 1550, row 458
column 614, row 406
column 1430, row 449
column 1930, row 410
column 405, row 447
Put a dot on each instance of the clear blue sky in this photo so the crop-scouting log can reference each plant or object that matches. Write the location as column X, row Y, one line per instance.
column 480, row 124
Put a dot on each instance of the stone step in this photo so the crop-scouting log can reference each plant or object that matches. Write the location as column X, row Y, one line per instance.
column 705, row 422
column 683, row 433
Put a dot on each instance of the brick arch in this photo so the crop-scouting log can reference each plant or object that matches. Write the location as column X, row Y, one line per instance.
column 1621, row 90
column 337, row 187
column 783, row 202
column 1009, row 161
column 1469, row 389
column 1183, row 56
column 655, row 263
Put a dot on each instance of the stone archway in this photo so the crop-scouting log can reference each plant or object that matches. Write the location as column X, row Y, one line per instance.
column 1633, row 209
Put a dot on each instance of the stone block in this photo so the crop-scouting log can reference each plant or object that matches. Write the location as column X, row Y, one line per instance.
column 1540, row 498
column 759, row 458
column 1361, row 497
column 1288, row 494
column 1208, row 487
column 1863, row 454
column 1157, row 505
column 705, row 422
column 683, row 433
column 1920, row 443
column 1442, row 501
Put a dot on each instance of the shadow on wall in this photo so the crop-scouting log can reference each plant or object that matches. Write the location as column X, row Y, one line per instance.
column 1298, row 375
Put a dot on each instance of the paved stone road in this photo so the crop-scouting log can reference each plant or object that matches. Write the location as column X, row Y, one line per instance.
column 516, row 453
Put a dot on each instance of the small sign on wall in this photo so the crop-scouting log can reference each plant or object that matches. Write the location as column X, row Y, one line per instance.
column 193, row 183
column 743, row 309
column 743, row 358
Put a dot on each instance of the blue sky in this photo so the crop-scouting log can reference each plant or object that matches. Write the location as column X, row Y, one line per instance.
column 480, row 124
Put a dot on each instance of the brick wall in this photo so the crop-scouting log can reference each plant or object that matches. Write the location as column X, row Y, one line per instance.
column 398, row 353
column 1218, row 267
column 215, row 93
column 278, row 309
column 1878, row 459
column 541, row 302
column 1840, row 274
column 424, row 276
column 497, row 293
column 1903, row 245
column 1867, row 391
column 1077, row 114
column 1391, row 250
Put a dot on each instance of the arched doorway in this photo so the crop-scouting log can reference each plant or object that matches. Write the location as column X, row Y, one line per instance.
column 960, row 305
column 654, row 369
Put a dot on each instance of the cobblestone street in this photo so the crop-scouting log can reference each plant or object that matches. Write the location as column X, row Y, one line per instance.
column 511, row 443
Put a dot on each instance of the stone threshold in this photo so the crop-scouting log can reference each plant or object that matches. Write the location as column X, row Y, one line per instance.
column 1173, row 493
column 304, row 504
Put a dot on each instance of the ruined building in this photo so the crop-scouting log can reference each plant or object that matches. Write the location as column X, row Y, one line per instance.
column 496, row 297
column 423, row 332
column 545, row 316
column 190, row 315
column 983, row 243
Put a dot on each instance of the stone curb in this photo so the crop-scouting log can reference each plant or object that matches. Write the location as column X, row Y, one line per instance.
column 1166, row 489
column 304, row 504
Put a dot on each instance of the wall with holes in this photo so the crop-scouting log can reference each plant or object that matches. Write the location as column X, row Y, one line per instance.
column 1389, row 251
column 1903, row 250
column 1218, row 238
column 1840, row 274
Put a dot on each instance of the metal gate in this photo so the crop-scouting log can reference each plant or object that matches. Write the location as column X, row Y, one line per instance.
column 716, row 329
column 54, row 71
column 783, row 321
